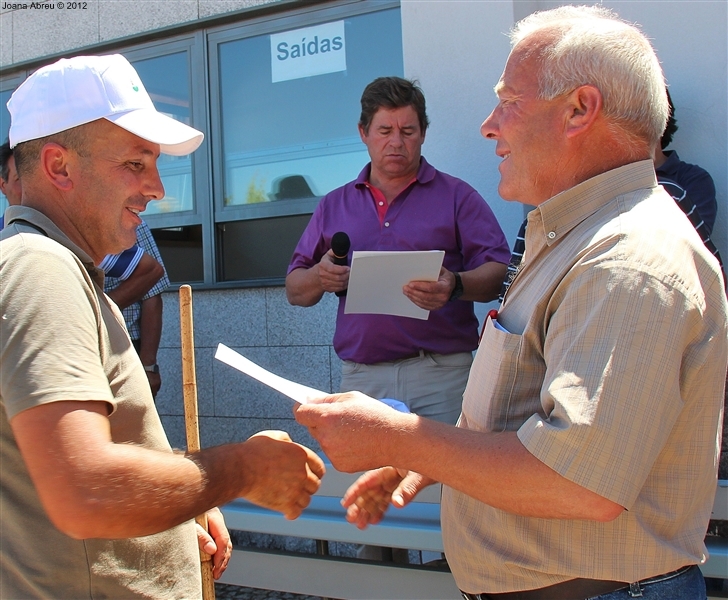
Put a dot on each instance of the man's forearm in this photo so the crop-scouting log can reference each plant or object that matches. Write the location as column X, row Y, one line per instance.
column 483, row 284
column 143, row 279
column 358, row 434
column 150, row 326
column 303, row 287
column 145, row 492
column 496, row 469
column 91, row 486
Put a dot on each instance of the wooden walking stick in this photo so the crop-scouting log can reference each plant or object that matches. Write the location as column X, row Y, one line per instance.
column 189, row 392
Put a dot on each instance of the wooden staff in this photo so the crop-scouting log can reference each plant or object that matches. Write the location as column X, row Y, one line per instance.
column 189, row 390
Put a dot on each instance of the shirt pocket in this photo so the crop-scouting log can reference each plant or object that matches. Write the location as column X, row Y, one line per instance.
column 503, row 389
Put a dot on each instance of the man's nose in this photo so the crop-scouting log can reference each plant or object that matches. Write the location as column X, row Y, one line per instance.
column 396, row 138
column 154, row 188
column 488, row 129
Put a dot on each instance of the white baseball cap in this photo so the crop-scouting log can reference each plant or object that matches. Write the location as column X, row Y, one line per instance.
column 75, row 91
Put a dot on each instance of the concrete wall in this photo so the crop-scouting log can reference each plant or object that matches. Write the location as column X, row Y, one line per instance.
column 457, row 51
column 27, row 33
column 259, row 323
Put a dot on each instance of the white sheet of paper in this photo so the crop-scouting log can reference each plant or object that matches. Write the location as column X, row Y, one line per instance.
column 296, row 391
column 376, row 280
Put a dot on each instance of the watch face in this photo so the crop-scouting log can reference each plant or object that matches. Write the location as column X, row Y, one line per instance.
column 152, row 368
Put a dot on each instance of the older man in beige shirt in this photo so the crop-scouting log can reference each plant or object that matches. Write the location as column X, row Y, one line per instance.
column 585, row 458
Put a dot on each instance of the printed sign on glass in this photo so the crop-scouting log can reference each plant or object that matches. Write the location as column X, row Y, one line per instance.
column 307, row 52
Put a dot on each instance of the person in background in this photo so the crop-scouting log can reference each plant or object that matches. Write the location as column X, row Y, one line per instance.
column 584, row 462
column 691, row 184
column 9, row 180
column 95, row 502
column 142, row 308
column 400, row 202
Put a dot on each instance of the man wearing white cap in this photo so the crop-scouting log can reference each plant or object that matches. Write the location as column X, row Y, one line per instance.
column 95, row 504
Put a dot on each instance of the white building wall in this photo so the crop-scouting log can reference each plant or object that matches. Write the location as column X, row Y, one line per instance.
column 457, row 49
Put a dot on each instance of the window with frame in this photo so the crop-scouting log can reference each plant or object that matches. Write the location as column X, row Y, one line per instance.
column 7, row 87
column 278, row 100
column 287, row 111
column 177, row 221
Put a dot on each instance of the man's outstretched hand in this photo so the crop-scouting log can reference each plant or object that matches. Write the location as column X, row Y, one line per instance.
column 283, row 474
column 369, row 497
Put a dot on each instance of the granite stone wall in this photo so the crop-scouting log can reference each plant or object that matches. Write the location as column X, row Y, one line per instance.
column 259, row 323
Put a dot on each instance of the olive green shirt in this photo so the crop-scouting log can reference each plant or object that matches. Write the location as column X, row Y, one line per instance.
column 62, row 339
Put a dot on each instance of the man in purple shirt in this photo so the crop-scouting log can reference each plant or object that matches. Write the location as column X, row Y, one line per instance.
column 400, row 202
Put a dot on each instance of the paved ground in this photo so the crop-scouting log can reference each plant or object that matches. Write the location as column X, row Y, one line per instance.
column 234, row 592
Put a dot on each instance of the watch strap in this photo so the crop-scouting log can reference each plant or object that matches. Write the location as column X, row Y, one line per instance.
column 457, row 291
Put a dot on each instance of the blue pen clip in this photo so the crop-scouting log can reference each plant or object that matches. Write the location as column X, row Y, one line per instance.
column 395, row 404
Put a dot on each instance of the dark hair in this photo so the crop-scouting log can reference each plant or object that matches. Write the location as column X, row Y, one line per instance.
column 5, row 154
column 28, row 153
column 392, row 92
column 671, row 126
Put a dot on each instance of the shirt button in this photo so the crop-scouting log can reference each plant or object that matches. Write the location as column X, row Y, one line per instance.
column 386, row 224
column 381, row 204
column 551, row 235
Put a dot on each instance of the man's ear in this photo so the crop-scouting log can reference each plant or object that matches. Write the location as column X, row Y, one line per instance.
column 585, row 105
column 54, row 164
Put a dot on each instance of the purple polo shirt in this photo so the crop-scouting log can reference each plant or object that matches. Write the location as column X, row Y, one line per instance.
column 436, row 212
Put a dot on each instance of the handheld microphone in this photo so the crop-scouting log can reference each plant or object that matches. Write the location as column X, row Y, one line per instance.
column 340, row 244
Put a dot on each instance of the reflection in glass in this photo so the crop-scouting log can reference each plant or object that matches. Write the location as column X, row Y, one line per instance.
column 167, row 80
column 301, row 130
column 4, row 128
column 181, row 250
column 241, row 243
column 4, row 114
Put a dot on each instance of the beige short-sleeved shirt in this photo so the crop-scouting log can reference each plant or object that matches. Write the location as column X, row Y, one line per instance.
column 62, row 339
column 612, row 371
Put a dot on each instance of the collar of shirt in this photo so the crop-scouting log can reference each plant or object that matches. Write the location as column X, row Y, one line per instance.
column 561, row 213
column 38, row 219
column 425, row 173
column 671, row 162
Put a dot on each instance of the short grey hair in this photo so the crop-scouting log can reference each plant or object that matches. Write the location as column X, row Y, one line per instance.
column 591, row 45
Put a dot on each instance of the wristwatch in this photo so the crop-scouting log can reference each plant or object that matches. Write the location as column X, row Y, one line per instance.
column 457, row 291
column 152, row 368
